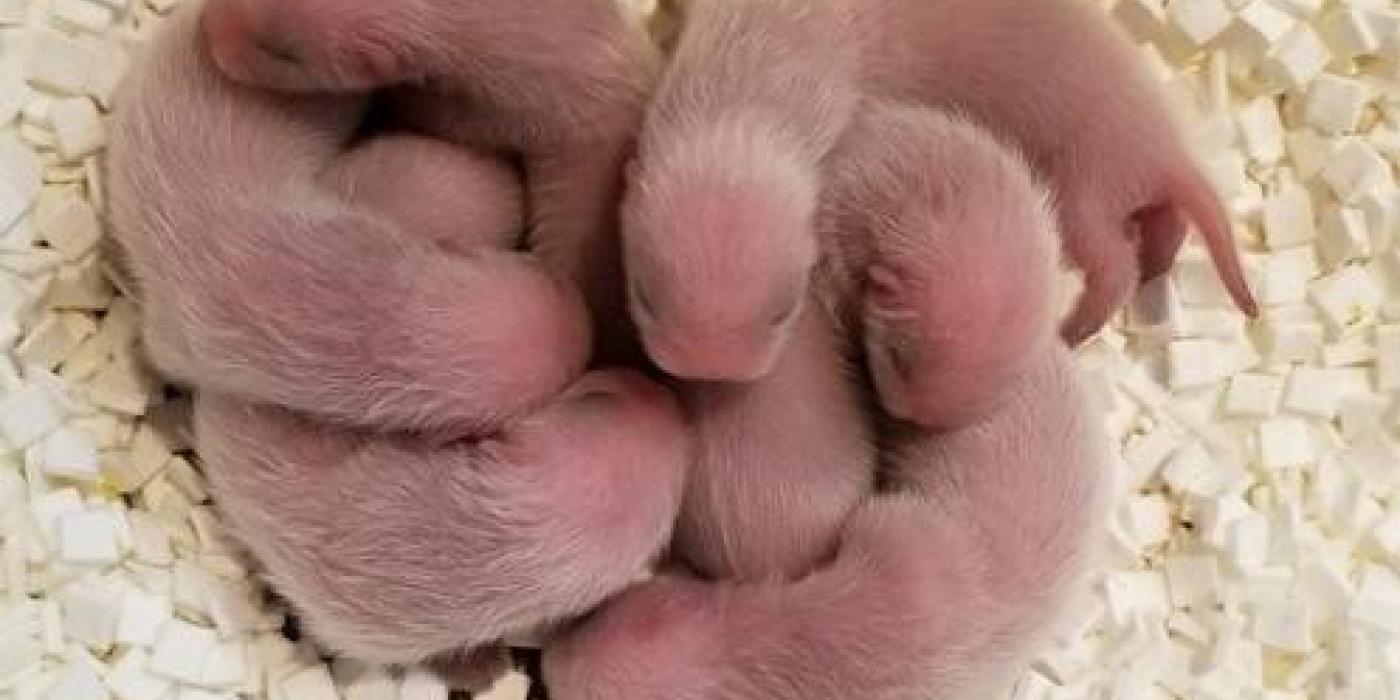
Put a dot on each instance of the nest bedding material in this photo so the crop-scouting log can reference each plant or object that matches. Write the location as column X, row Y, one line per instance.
column 1254, row 550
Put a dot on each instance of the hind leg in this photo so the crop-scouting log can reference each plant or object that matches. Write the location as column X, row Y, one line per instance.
column 1161, row 232
column 1103, row 250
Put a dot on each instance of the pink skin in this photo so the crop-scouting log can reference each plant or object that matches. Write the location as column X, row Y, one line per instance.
column 459, row 199
column 941, row 590
column 718, row 219
column 396, row 549
column 562, row 83
column 948, row 246
column 1058, row 80
column 779, row 462
column 267, row 284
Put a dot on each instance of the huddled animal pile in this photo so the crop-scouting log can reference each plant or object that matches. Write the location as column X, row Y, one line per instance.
column 492, row 309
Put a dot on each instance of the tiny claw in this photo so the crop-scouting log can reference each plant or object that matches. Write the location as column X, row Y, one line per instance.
column 1250, row 305
column 1092, row 312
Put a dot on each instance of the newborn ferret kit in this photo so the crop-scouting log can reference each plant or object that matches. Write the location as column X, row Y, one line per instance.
column 714, row 350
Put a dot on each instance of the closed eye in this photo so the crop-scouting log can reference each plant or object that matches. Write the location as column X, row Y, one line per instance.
column 642, row 301
column 901, row 360
column 279, row 47
column 784, row 315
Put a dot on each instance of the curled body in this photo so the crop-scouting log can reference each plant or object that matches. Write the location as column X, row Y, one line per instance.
column 940, row 589
column 718, row 221
column 1057, row 80
column 719, row 240
column 779, row 463
column 396, row 549
column 258, row 276
column 944, row 248
column 562, row 84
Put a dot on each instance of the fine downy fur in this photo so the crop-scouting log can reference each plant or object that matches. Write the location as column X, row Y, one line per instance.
column 940, row 590
column 561, row 83
column 718, row 218
column 719, row 241
column 455, row 198
column 1056, row 79
column 259, row 279
column 779, row 462
column 397, row 549
column 946, row 248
